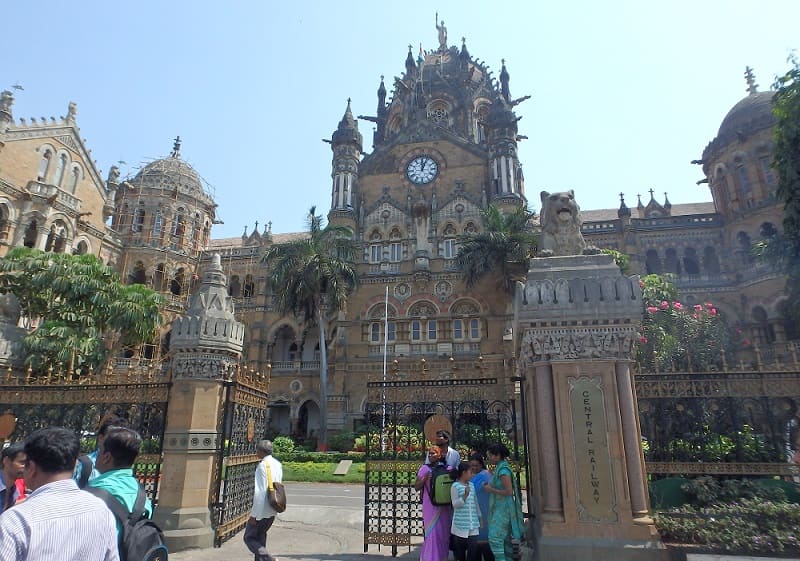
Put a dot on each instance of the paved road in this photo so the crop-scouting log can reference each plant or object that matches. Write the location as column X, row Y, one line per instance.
column 322, row 522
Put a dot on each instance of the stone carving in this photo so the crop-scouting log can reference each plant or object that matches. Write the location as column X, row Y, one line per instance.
column 113, row 175
column 203, row 367
column 565, row 344
column 9, row 309
column 561, row 226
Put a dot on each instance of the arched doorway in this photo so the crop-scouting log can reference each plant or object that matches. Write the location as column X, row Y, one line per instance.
column 308, row 419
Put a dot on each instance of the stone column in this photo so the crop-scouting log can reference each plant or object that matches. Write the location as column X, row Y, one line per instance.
column 576, row 318
column 206, row 347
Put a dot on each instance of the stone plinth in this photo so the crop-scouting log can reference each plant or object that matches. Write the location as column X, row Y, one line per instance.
column 576, row 319
column 190, row 448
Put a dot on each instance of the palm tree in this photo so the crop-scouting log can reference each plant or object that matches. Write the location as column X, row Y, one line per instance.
column 503, row 247
column 312, row 277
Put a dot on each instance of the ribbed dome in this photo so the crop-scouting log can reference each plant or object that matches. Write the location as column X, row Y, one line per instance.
column 751, row 114
column 169, row 173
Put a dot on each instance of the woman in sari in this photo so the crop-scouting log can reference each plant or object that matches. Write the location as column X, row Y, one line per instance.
column 436, row 519
column 505, row 508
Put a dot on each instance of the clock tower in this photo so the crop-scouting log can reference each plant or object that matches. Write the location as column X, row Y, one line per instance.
column 444, row 148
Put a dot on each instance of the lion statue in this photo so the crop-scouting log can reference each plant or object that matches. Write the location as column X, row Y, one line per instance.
column 561, row 226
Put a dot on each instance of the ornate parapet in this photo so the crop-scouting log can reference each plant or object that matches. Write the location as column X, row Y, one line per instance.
column 204, row 366
column 576, row 307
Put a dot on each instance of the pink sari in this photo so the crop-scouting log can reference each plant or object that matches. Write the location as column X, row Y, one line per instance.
column 436, row 520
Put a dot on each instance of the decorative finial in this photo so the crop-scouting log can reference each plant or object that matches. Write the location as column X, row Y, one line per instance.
column 752, row 87
column 622, row 198
column 270, row 226
column 176, row 147
column 652, row 197
column 255, row 228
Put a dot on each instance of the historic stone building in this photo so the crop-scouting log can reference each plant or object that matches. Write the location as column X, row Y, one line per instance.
column 444, row 147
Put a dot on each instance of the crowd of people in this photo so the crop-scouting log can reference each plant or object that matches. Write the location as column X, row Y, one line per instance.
column 56, row 504
column 483, row 518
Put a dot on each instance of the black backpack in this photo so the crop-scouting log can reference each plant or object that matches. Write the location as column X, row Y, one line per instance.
column 141, row 539
column 86, row 470
column 441, row 481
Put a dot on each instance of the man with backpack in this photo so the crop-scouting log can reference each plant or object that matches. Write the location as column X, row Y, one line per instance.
column 139, row 538
column 85, row 469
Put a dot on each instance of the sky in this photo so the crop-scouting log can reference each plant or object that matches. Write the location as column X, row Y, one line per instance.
column 624, row 94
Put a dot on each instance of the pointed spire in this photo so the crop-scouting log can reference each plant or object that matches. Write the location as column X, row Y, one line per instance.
column 752, row 87
column 464, row 54
column 420, row 56
column 652, row 195
column 623, row 208
column 667, row 204
column 639, row 205
column 411, row 66
column 347, row 131
column 504, row 78
column 381, row 94
column 176, row 147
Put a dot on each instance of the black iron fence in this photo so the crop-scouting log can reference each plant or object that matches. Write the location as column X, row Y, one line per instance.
column 242, row 423
column 78, row 402
column 742, row 422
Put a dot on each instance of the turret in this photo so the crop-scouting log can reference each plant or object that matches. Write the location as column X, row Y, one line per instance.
column 346, row 144
column 506, row 182
column 6, row 116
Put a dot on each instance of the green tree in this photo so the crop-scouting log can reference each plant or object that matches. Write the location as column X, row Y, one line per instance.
column 81, row 309
column 786, row 161
column 312, row 278
column 504, row 246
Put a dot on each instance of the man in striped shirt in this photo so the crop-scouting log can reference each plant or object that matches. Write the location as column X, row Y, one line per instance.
column 58, row 521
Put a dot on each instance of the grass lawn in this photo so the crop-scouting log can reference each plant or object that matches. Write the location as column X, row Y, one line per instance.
column 321, row 472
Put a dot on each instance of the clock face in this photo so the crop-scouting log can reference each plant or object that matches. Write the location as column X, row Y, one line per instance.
column 422, row 170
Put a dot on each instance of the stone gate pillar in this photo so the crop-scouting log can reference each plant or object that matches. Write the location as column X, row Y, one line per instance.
column 576, row 318
column 206, row 346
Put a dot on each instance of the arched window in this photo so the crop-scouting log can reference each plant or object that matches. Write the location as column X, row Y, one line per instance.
column 395, row 246
column 690, row 262
column 158, row 277
column 431, row 330
column 138, row 275
column 375, row 248
column 82, row 248
column 31, row 234
column 176, row 286
column 138, row 218
column 450, row 244
column 416, row 333
column 458, row 329
column 474, row 329
column 196, row 232
column 249, row 287
column 744, row 180
column 671, row 262
column 763, row 331
column 44, row 165
column 235, row 286
column 710, row 260
column 158, row 223
column 74, row 177
column 652, row 262
column 768, row 230
column 61, row 166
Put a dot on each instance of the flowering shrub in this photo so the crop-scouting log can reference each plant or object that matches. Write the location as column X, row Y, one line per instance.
column 679, row 337
column 394, row 441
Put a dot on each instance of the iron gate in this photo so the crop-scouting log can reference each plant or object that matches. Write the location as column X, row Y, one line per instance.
column 242, row 423
column 79, row 402
column 396, row 445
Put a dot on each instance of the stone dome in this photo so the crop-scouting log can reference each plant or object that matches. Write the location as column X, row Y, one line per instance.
column 751, row 114
column 169, row 173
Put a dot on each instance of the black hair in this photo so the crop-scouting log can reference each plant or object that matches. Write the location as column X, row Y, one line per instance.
column 123, row 445
column 499, row 450
column 12, row 450
column 457, row 471
column 110, row 421
column 478, row 457
column 444, row 434
column 53, row 450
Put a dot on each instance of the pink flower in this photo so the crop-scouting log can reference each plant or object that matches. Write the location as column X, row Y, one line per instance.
column 664, row 305
column 746, row 342
column 698, row 307
column 641, row 284
column 651, row 309
column 643, row 339
column 708, row 304
column 677, row 305
column 712, row 311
